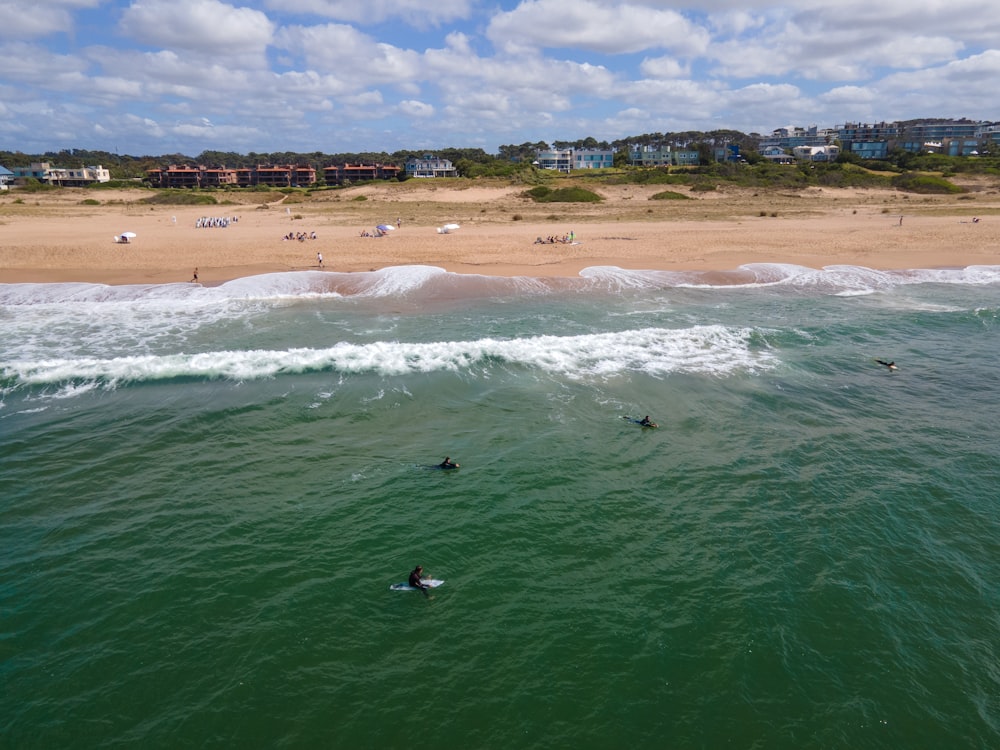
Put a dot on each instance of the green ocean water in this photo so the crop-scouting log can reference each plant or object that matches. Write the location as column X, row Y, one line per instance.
column 206, row 493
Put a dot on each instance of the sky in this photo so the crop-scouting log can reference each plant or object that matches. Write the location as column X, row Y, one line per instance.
column 151, row 77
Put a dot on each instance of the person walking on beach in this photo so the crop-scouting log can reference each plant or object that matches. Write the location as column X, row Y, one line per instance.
column 194, row 277
column 319, row 259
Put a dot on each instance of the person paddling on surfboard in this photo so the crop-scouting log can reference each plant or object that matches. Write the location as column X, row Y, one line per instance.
column 647, row 422
column 891, row 365
column 417, row 580
column 448, row 463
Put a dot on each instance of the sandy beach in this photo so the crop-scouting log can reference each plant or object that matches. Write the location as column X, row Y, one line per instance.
column 67, row 235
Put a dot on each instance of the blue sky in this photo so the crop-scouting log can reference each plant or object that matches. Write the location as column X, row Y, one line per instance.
column 182, row 76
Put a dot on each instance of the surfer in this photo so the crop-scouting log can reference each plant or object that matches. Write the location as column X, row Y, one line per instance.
column 416, row 580
column 891, row 365
column 447, row 463
column 647, row 422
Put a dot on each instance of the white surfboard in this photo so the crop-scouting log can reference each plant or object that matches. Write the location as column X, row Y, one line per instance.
column 432, row 582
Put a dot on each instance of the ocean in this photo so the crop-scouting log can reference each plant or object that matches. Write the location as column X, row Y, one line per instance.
column 206, row 492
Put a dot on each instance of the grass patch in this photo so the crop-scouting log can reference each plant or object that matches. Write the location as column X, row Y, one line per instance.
column 669, row 195
column 90, row 202
column 543, row 194
column 180, row 198
column 913, row 182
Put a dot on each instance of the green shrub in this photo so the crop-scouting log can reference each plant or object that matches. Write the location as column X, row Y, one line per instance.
column 914, row 182
column 543, row 194
column 669, row 195
column 360, row 198
column 180, row 198
column 90, row 202
column 31, row 185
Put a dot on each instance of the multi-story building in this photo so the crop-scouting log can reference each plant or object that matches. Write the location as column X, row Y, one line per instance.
column 790, row 137
column 649, row 156
column 559, row 159
column 67, row 177
column 593, row 158
column 338, row 175
column 989, row 137
column 867, row 141
column 430, row 166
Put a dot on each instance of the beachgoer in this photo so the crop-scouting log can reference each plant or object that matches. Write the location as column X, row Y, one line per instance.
column 448, row 463
column 890, row 365
column 319, row 259
column 416, row 580
column 194, row 277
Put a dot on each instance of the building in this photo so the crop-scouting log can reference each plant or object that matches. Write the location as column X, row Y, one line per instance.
column 66, row 177
column 776, row 155
column 867, row 141
column 6, row 177
column 649, row 156
column 176, row 176
column 353, row 173
column 593, row 158
column 790, row 137
column 559, row 159
column 430, row 166
column 989, row 137
column 816, row 153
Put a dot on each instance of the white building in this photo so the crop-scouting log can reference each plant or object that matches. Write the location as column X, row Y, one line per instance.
column 80, row 177
column 816, row 153
column 430, row 166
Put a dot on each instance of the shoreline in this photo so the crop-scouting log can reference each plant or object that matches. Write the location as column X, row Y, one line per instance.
column 58, row 239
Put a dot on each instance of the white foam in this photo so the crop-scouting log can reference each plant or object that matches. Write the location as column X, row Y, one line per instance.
column 844, row 280
column 712, row 349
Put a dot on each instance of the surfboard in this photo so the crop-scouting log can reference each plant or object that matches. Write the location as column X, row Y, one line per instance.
column 633, row 420
column 432, row 582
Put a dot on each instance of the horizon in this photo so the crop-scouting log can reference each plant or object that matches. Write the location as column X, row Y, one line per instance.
column 187, row 76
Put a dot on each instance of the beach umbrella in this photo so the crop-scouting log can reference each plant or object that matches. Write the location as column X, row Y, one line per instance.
column 385, row 227
column 450, row 227
column 130, row 235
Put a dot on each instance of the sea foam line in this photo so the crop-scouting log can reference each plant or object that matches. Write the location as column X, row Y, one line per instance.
column 656, row 351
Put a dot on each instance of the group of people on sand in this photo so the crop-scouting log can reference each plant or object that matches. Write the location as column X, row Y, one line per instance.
column 566, row 239
column 300, row 236
column 215, row 222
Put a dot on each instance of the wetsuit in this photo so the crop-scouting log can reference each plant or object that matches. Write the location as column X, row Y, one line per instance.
column 417, row 583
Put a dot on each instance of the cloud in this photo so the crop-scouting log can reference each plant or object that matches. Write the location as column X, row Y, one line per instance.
column 343, row 51
column 413, row 108
column 419, row 13
column 611, row 29
column 206, row 27
column 19, row 20
column 664, row 67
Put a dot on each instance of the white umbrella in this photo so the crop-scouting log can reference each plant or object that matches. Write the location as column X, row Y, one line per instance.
column 450, row 227
column 130, row 235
